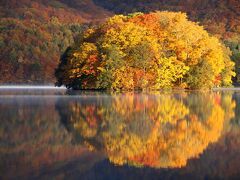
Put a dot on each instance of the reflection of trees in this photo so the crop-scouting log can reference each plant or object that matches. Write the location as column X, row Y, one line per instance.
column 147, row 130
column 31, row 137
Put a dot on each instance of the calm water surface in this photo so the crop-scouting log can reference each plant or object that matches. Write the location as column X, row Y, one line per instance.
column 56, row 134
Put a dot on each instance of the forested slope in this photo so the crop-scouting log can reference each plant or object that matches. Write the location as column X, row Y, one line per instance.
column 33, row 34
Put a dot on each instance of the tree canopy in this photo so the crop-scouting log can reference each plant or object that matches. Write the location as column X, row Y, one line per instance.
column 146, row 51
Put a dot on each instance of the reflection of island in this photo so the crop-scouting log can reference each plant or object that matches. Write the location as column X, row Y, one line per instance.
column 32, row 138
column 147, row 130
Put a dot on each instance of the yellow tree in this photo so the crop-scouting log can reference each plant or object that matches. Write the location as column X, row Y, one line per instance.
column 146, row 51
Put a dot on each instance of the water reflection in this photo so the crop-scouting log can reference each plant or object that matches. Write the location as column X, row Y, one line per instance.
column 141, row 136
column 31, row 135
column 160, row 131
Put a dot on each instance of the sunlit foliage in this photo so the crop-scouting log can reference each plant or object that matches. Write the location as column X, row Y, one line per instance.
column 146, row 51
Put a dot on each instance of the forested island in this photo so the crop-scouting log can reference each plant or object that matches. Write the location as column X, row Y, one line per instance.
column 146, row 51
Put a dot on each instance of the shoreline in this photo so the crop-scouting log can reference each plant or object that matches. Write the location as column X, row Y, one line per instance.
column 101, row 90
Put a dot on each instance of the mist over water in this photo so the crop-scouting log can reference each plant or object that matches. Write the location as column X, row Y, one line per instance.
column 30, row 87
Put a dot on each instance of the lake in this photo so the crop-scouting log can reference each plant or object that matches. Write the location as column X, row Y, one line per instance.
column 50, row 133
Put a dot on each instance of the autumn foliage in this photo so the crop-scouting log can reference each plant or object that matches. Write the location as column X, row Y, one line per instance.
column 33, row 34
column 146, row 51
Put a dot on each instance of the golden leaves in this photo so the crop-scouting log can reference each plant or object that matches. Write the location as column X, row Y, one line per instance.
column 149, row 51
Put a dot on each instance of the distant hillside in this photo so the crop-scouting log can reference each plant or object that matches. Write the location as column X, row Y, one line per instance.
column 223, row 14
column 34, row 33
column 65, row 10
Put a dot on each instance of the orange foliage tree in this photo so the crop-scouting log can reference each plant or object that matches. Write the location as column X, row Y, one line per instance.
column 146, row 51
